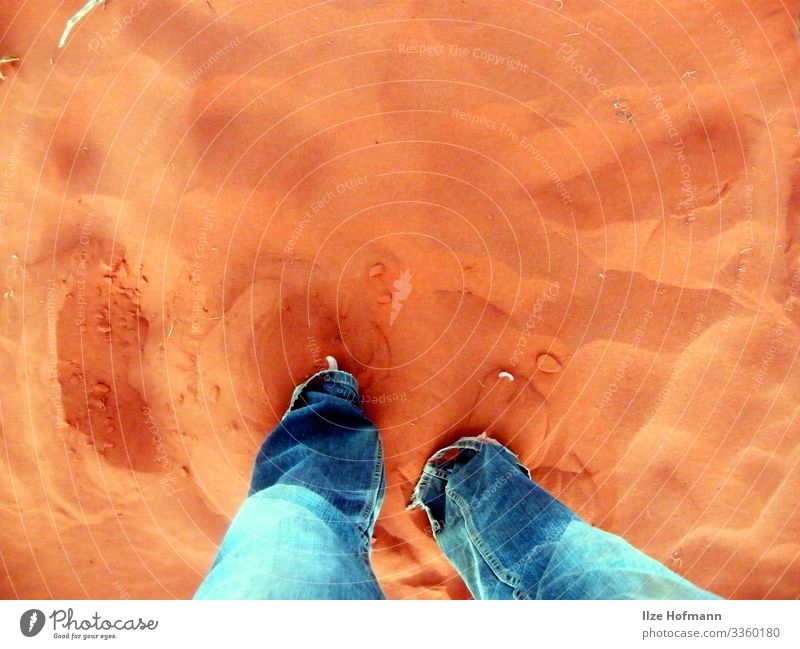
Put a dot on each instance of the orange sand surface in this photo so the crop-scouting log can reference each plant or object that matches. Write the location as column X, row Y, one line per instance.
column 200, row 200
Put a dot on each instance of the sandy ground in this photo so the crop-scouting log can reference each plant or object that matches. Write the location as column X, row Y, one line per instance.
column 202, row 199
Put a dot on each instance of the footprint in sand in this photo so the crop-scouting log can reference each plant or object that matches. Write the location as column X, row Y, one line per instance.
column 279, row 331
column 100, row 334
column 273, row 336
column 509, row 408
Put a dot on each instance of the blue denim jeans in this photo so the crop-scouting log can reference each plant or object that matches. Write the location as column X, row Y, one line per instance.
column 318, row 483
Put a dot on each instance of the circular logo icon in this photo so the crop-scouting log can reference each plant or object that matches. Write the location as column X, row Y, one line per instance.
column 31, row 622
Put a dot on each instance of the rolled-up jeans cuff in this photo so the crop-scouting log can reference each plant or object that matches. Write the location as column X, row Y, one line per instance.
column 334, row 382
column 443, row 456
column 441, row 464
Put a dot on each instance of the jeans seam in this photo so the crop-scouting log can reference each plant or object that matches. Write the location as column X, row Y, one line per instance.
column 436, row 473
column 338, row 376
column 366, row 514
column 503, row 574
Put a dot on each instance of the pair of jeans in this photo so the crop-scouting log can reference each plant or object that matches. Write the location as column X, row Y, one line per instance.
column 304, row 531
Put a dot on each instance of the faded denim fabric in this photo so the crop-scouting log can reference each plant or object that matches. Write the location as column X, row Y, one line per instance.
column 510, row 539
column 318, row 484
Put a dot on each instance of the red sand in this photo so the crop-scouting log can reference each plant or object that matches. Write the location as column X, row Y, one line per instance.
column 601, row 199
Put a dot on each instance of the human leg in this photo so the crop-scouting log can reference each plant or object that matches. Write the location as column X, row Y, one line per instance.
column 304, row 531
column 509, row 538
